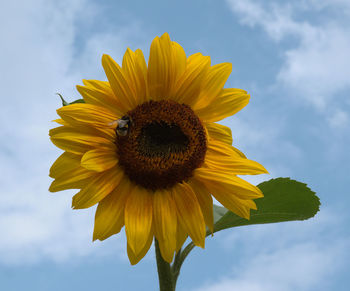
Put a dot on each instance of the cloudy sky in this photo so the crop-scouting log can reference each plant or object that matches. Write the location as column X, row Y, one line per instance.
column 291, row 56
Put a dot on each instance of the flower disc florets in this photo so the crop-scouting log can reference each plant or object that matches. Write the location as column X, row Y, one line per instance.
column 165, row 143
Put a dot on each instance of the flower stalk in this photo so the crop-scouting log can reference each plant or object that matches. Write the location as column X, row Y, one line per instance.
column 165, row 275
column 179, row 259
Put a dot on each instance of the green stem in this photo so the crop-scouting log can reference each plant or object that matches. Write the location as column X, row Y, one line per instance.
column 179, row 259
column 164, row 271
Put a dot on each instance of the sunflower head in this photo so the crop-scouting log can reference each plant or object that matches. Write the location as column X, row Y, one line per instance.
column 145, row 147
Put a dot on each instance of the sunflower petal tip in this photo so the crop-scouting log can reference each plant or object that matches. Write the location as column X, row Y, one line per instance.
column 263, row 169
column 128, row 51
column 200, row 243
column 106, row 59
column 73, row 206
column 52, row 187
column 59, row 121
column 95, row 237
column 165, row 36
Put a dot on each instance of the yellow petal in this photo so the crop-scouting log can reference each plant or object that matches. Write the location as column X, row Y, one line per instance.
column 101, row 185
column 86, row 114
column 219, row 132
column 78, row 182
column 236, row 199
column 205, row 201
column 76, row 178
column 229, row 102
column 134, row 259
column 167, row 61
column 181, row 235
column 180, row 60
column 157, row 71
column 100, row 85
column 238, row 152
column 165, row 221
column 99, row 159
column 119, row 84
column 77, row 140
column 228, row 161
column 189, row 213
column 141, row 64
column 235, row 166
column 220, row 148
column 138, row 219
column 228, row 183
column 188, row 86
column 135, row 72
column 60, row 121
column 214, row 82
column 241, row 207
column 64, row 163
column 101, row 96
column 238, row 206
column 109, row 217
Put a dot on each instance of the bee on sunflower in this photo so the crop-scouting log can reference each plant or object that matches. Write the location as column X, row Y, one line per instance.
column 145, row 147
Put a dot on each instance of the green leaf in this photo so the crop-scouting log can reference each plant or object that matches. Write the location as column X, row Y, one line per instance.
column 78, row 101
column 284, row 200
column 65, row 103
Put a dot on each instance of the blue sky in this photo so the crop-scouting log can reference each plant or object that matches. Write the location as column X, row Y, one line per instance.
column 291, row 56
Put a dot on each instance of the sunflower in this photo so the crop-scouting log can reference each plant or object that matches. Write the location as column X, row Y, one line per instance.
column 145, row 147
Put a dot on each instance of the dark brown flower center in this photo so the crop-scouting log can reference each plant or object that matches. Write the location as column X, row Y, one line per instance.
column 164, row 143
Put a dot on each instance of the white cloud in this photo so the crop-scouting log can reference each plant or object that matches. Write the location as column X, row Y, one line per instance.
column 317, row 67
column 275, row 20
column 343, row 5
column 41, row 58
column 284, row 257
column 302, row 267
column 339, row 120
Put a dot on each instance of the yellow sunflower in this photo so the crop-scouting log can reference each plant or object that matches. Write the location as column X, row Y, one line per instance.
column 145, row 147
